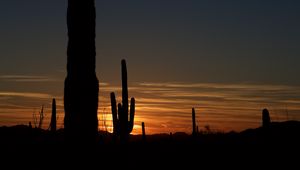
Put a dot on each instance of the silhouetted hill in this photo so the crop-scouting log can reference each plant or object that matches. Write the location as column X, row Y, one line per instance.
column 278, row 142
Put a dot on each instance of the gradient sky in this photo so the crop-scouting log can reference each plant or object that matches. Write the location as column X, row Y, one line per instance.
column 229, row 59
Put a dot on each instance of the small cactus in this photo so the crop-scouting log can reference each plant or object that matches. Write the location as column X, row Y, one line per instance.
column 30, row 126
column 123, row 127
column 53, row 117
column 265, row 118
column 194, row 121
column 144, row 132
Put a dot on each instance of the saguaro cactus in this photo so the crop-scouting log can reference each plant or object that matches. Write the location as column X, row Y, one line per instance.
column 53, row 117
column 81, row 84
column 265, row 118
column 123, row 127
column 194, row 122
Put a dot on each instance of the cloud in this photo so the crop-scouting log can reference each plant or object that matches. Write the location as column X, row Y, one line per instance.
column 26, row 94
column 25, row 78
column 219, row 86
column 103, row 84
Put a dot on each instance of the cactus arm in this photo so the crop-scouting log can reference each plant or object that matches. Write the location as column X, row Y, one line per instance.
column 120, row 112
column 132, row 112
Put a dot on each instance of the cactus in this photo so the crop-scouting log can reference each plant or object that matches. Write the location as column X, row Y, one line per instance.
column 122, row 127
column 144, row 132
column 81, row 84
column 53, row 117
column 194, row 122
column 265, row 118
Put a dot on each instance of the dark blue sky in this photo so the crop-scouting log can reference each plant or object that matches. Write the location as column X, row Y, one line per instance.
column 254, row 41
column 227, row 58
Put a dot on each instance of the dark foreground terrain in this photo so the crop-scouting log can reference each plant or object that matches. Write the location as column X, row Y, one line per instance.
column 277, row 145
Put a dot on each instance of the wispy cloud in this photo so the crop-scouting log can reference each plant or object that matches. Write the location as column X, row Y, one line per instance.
column 221, row 86
column 25, row 78
column 26, row 94
column 103, row 84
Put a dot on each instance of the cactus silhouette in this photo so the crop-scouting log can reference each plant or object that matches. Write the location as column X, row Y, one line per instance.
column 123, row 127
column 144, row 132
column 30, row 126
column 265, row 118
column 53, row 117
column 194, row 122
column 81, row 84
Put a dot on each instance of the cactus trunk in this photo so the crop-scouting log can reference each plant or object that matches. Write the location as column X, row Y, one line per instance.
column 124, row 87
column 81, row 84
column 53, row 116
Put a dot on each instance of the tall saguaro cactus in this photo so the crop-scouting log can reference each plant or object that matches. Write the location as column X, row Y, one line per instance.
column 53, row 116
column 123, row 127
column 81, row 84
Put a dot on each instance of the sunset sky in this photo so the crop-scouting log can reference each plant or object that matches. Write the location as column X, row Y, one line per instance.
column 228, row 59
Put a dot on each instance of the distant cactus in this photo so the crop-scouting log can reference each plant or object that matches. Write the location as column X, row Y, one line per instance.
column 144, row 132
column 123, row 127
column 194, row 122
column 171, row 136
column 265, row 118
column 30, row 126
column 53, row 117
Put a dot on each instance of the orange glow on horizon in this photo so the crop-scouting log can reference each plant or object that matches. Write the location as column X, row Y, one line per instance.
column 166, row 107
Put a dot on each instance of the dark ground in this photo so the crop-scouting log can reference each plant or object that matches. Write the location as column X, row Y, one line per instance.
column 273, row 147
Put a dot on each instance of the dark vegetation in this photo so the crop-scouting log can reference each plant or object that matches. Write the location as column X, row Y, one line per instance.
column 272, row 144
column 264, row 145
